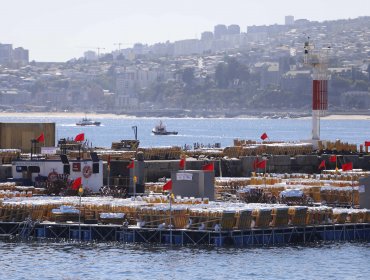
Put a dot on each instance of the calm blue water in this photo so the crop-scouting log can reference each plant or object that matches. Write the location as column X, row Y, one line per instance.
column 102, row 261
column 206, row 131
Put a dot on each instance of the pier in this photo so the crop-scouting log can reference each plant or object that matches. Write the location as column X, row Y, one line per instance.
column 359, row 232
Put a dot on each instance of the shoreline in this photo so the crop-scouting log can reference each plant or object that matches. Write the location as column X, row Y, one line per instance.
column 115, row 116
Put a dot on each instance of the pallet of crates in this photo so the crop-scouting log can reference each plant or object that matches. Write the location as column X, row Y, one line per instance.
column 211, row 219
column 353, row 216
column 228, row 219
column 180, row 216
column 280, row 216
column 112, row 218
column 233, row 152
column 297, row 215
column 362, row 213
column 244, row 219
column 340, row 215
column 292, row 197
column 198, row 218
column 65, row 213
column 262, row 216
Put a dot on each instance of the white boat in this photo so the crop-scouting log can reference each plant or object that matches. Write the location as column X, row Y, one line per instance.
column 85, row 122
column 161, row 130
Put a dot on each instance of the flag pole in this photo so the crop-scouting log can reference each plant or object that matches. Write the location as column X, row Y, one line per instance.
column 170, row 225
column 108, row 175
column 264, row 175
column 353, row 202
column 79, row 213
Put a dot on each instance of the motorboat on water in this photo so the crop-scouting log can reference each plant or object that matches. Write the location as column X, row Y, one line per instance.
column 86, row 121
column 160, row 129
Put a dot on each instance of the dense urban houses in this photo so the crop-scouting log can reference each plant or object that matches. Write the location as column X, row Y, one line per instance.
column 261, row 69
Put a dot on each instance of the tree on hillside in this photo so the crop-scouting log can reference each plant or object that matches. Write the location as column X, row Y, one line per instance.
column 221, row 75
column 227, row 73
column 188, row 75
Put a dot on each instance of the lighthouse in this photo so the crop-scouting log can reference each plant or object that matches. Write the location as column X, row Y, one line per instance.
column 318, row 60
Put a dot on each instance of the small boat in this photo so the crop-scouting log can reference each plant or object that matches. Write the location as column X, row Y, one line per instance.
column 85, row 122
column 161, row 130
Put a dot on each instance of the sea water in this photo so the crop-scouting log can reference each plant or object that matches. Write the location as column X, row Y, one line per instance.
column 127, row 261
column 202, row 131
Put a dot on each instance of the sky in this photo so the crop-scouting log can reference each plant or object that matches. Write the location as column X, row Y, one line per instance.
column 59, row 30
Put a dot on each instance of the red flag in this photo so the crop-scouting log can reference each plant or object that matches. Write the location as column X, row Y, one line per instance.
column 131, row 165
column 41, row 138
column 322, row 165
column 76, row 183
column 261, row 164
column 182, row 163
column 208, row 167
column 367, row 143
column 264, row 136
column 80, row 137
column 347, row 166
column 167, row 186
column 333, row 158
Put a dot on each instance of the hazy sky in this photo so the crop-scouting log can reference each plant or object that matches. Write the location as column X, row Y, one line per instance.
column 60, row 30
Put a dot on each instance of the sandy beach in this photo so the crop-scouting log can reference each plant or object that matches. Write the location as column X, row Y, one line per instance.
column 114, row 116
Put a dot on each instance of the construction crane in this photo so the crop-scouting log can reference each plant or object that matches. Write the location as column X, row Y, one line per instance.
column 94, row 48
column 318, row 60
column 119, row 46
column 99, row 48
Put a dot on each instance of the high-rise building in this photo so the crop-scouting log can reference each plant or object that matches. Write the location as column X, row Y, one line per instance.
column 90, row 55
column 219, row 31
column 6, row 53
column 289, row 20
column 21, row 55
column 206, row 36
column 233, row 29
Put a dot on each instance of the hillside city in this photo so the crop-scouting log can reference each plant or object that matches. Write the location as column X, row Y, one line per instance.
column 228, row 73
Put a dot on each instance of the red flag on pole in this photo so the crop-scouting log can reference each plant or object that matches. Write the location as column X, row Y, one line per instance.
column 347, row 166
column 76, row 183
column 41, row 138
column 167, row 186
column 182, row 163
column 208, row 167
column 322, row 165
column 131, row 165
column 261, row 164
column 80, row 137
column 367, row 143
column 333, row 158
column 264, row 136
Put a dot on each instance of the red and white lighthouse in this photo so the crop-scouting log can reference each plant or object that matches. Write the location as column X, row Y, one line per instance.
column 318, row 59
